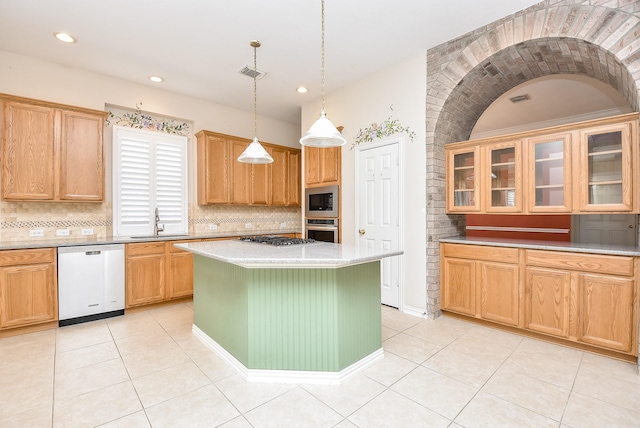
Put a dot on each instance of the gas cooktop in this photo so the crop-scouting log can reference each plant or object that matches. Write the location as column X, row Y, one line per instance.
column 277, row 240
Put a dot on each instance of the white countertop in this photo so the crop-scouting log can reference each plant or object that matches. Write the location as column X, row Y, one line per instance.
column 314, row 255
column 571, row 247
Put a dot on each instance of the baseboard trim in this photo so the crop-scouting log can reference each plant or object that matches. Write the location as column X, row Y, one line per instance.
column 288, row 376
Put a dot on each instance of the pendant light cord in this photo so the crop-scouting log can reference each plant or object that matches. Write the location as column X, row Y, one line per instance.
column 322, row 67
column 255, row 89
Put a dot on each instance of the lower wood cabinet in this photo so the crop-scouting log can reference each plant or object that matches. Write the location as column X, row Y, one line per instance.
column 584, row 298
column 28, row 287
column 157, row 271
column 481, row 282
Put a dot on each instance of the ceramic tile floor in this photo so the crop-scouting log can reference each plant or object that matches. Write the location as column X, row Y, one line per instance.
column 147, row 370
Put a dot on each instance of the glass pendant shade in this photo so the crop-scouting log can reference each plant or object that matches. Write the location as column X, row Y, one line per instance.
column 255, row 153
column 322, row 134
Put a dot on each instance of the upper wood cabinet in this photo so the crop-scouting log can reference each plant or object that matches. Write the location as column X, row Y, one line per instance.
column 588, row 167
column 51, row 152
column 224, row 180
column 322, row 166
column 502, row 188
column 548, row 171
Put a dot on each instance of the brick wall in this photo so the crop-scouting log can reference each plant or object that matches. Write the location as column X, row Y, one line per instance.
column 596, row 38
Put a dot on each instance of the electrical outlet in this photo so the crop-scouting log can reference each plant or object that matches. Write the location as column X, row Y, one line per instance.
column 87, row 232
column 248, row 226
column 62, row 232
column 36, row 232
column 213, row 226
column 283, row 225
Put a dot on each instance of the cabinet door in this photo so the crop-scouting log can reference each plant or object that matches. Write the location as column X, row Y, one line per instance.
column 606, row 311
column 312, row 165
column 279, row 176
column 180, row 281
column 294, row 185
column 604, row 161
column 502, row 178
column 548, row 174
column 261, row 188
column 463, row 180
column 81, row 157
column 499, row 297
column 145, row 273
column 330, row 160
column 547, row 293
column 28, row 295
column 240, row 174
column 28, row 152
column 459, row 286
column 213, row 170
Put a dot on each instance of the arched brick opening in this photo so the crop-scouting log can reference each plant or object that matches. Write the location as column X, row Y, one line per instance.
column 519, row 63
column 466, row 74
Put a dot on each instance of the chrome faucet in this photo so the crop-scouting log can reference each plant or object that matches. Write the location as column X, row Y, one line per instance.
column 157, row 228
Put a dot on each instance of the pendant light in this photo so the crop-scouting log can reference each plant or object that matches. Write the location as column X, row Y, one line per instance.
column 322, row 133
column 255, row 153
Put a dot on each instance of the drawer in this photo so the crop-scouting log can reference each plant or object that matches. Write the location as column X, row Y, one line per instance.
column 143, row 248
column 27, row 257
column 594, row 263
column 480, row 252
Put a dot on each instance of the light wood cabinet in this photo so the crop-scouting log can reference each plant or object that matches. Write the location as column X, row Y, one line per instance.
column 548, row 172
column 322, row 166
column 463, row 179
column 605, row 161
column 28, row 287
column 224, row 180
column 547, row 294
column 51, row 152
column 483, row 284
column 502, row 184
column 586, row 299
column 145, row 273
column 588, row 167
column 180, row 272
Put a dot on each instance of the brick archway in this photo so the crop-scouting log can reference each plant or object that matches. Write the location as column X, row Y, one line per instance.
column 465, row 75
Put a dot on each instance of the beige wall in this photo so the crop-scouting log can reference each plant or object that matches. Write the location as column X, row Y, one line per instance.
column 32, row 78
column 358, row 106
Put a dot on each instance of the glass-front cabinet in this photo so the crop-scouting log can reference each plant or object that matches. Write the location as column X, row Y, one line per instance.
column 605, row 159
column 463, row 186
column 503, row 179
column 549, row 174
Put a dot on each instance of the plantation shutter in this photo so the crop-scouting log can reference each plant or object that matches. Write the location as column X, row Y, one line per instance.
column 150, row 173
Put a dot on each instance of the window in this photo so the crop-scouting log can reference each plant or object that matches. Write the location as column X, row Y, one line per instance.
column 149, row 172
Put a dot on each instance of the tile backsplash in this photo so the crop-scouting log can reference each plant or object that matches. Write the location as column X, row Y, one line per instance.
column 19, row 218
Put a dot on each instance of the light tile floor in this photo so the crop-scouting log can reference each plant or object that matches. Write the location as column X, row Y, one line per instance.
column 147, row 370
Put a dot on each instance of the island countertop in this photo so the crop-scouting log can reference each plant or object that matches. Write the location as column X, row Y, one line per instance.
column 312, row 255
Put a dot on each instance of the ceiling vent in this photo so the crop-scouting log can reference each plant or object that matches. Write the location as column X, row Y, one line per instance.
column 519, row 98
column 252, row 72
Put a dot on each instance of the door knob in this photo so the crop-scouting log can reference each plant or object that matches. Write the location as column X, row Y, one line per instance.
column 362, row 232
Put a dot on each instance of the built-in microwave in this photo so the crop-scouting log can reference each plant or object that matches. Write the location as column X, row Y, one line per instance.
column 321, row 202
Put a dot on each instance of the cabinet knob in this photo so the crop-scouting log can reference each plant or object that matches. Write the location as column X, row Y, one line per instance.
column 362, row 232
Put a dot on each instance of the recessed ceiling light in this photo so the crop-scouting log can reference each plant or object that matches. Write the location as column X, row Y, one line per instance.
column 156, row 79
column 64, row 37
column 301, row 90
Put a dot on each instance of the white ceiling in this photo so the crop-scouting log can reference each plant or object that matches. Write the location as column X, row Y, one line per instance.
column 198, row 46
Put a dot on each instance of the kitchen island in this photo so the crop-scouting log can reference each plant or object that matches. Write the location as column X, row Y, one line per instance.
column 305, row 313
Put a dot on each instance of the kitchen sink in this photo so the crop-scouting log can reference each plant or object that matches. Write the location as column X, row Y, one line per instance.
column 158, row 236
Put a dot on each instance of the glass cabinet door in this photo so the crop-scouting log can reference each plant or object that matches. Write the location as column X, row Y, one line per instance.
column 462, row 180
column 606, row 168
column 504, row 178
column 549, row 173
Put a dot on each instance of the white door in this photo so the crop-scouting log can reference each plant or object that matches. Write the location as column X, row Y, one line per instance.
column 378, row 205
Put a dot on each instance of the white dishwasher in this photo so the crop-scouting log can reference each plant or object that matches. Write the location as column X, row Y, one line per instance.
column 90, row 283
